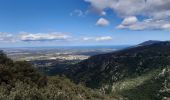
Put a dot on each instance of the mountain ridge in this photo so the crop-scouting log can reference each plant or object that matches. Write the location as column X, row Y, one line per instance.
column 105, row 70
column 149, row 42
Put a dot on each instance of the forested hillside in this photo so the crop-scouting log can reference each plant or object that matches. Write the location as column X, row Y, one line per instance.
column 139, row 73
column 20, row 81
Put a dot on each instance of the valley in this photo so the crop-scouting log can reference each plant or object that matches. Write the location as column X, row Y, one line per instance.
column 54, row 60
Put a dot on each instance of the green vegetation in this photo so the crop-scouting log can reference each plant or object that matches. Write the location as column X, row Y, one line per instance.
column 140, row 73
column 20, row 81
column 132, row 72
column 157, row 88
column 133, row 82
column 57, row 88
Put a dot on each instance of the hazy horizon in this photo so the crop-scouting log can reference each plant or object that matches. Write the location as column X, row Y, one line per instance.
column 69, row 46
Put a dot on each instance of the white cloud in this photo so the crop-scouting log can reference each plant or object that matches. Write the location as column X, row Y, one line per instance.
column 46, row 37
column 101, row 38
column 100, row 4
column 156, row 10
column 6, row 37
column 104, row 38
column 103, row 13
column 128, row 7
column 80, row 13
column 87, row 38
column 166, row 26
column 102, row 22
column 43, row 36
column 130, row 20
column 148, row 24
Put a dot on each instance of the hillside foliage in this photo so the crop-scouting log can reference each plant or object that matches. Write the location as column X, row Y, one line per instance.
column 131, row 72
column 20, row 81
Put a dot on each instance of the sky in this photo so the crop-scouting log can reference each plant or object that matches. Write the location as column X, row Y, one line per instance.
column 32, row 23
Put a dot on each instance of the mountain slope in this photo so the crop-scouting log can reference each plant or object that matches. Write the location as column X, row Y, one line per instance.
column 115, row 66
column 20, row 81
column 131, row 67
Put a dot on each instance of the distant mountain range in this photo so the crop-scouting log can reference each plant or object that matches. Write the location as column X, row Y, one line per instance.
column 138, row 73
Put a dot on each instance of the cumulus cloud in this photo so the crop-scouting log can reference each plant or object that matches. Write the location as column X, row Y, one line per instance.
column 147, row 24
column 102, row 22
column 158, row 11
column 6, row 37
column 54, row 36
column 100, row 4
column 43, row 36
column 166, row 26
column 130, row 20
column 102, row 38
column 46, row 37
column 135, row 7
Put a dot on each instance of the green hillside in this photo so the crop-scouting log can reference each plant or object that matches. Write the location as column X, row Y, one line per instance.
column 20, row 81
column 133, row 72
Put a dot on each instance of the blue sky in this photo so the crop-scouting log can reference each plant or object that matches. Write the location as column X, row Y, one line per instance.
column 82, row 22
